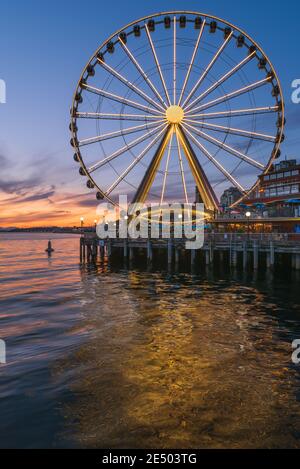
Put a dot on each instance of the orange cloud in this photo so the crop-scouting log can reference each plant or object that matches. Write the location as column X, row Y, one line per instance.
column 47, row 209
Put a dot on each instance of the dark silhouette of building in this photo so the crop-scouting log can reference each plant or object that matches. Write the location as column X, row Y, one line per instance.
column 229, row 196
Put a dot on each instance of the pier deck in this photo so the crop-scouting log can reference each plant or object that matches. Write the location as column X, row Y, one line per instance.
column 233, row 248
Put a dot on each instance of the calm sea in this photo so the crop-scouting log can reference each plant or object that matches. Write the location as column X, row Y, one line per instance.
column 106, row 357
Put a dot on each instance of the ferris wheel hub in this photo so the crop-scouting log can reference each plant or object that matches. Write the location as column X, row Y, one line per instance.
column 175, row 114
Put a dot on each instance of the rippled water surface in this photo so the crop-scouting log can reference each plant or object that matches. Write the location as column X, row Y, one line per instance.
column 106, row 357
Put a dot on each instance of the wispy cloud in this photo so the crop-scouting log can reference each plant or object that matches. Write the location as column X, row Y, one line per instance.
column 14, row 186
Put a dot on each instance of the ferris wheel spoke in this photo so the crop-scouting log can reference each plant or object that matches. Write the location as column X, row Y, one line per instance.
column 222, row 80
column 130, row 85
column 204, row 74
column 191, row 62
column 215, row 162
column 226, row 147
column 166, row 171
column 142, row 72
column 206, row 191
column 125, row 148
column 234, row 113
column 135, row 162
column 118, row 133
column 157, row 64
column 174, row 60
column 109, row 116
column 233, row 131
column 181, row 168
column 149, row 176
column 231, row 95
column 119, row 99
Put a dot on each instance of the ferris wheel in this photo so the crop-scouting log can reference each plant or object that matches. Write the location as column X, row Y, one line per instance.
column 173, row 102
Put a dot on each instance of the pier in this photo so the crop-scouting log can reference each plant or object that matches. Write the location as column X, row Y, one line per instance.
column 236, row 250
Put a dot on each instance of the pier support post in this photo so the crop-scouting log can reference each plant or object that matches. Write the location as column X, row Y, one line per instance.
column 211, row 252
column 88, row 253
column 101, row 251
column 149, row 251
column 293, row 261
column 81, row 250
column 131, row 254
column 245, row 255
column 297, row 262
column 255, row 255
column 125, row 249
column 94, row 251
column 170, row 251
column 272, row 255
column 177, row 257
column 234, row 256
column 109, row 248
column 207, row 257
column 221, row 257
column 193, row 257
column 268, row 260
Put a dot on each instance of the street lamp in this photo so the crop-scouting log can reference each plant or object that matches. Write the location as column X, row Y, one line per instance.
column 248, row 215
column 81, row 222
column 95, row 223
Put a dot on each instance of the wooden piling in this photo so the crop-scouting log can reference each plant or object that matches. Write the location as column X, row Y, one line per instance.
column 125, row 249
column 81, row 250
column 268, row 260
column 211, row 252
column 149, row 251
column 234, row 256
column 297, row 261
column 255, row 255
column 193, row 256
column 272, row 254
column 177, row 256
column 207, row 257
column 109, row 250
column 170, row 251
column 131, row 254
column 245, row 255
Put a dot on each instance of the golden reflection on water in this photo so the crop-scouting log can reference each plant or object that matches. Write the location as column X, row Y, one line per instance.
column 104, row 358
column 175, row 361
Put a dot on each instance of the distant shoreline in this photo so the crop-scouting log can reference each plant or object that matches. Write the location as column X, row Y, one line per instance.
column 46, row 230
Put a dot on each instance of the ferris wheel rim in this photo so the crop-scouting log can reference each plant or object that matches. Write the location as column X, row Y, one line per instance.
column 279, row 98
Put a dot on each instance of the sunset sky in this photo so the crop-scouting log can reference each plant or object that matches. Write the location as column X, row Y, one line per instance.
column 45, row 45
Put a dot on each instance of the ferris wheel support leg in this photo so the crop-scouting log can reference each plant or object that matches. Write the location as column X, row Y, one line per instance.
column 148, row 179
column 207, row 193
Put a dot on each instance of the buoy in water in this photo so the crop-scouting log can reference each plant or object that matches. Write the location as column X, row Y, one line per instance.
column 49, row 248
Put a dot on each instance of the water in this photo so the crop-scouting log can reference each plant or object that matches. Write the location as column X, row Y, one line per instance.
column 100, row 357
